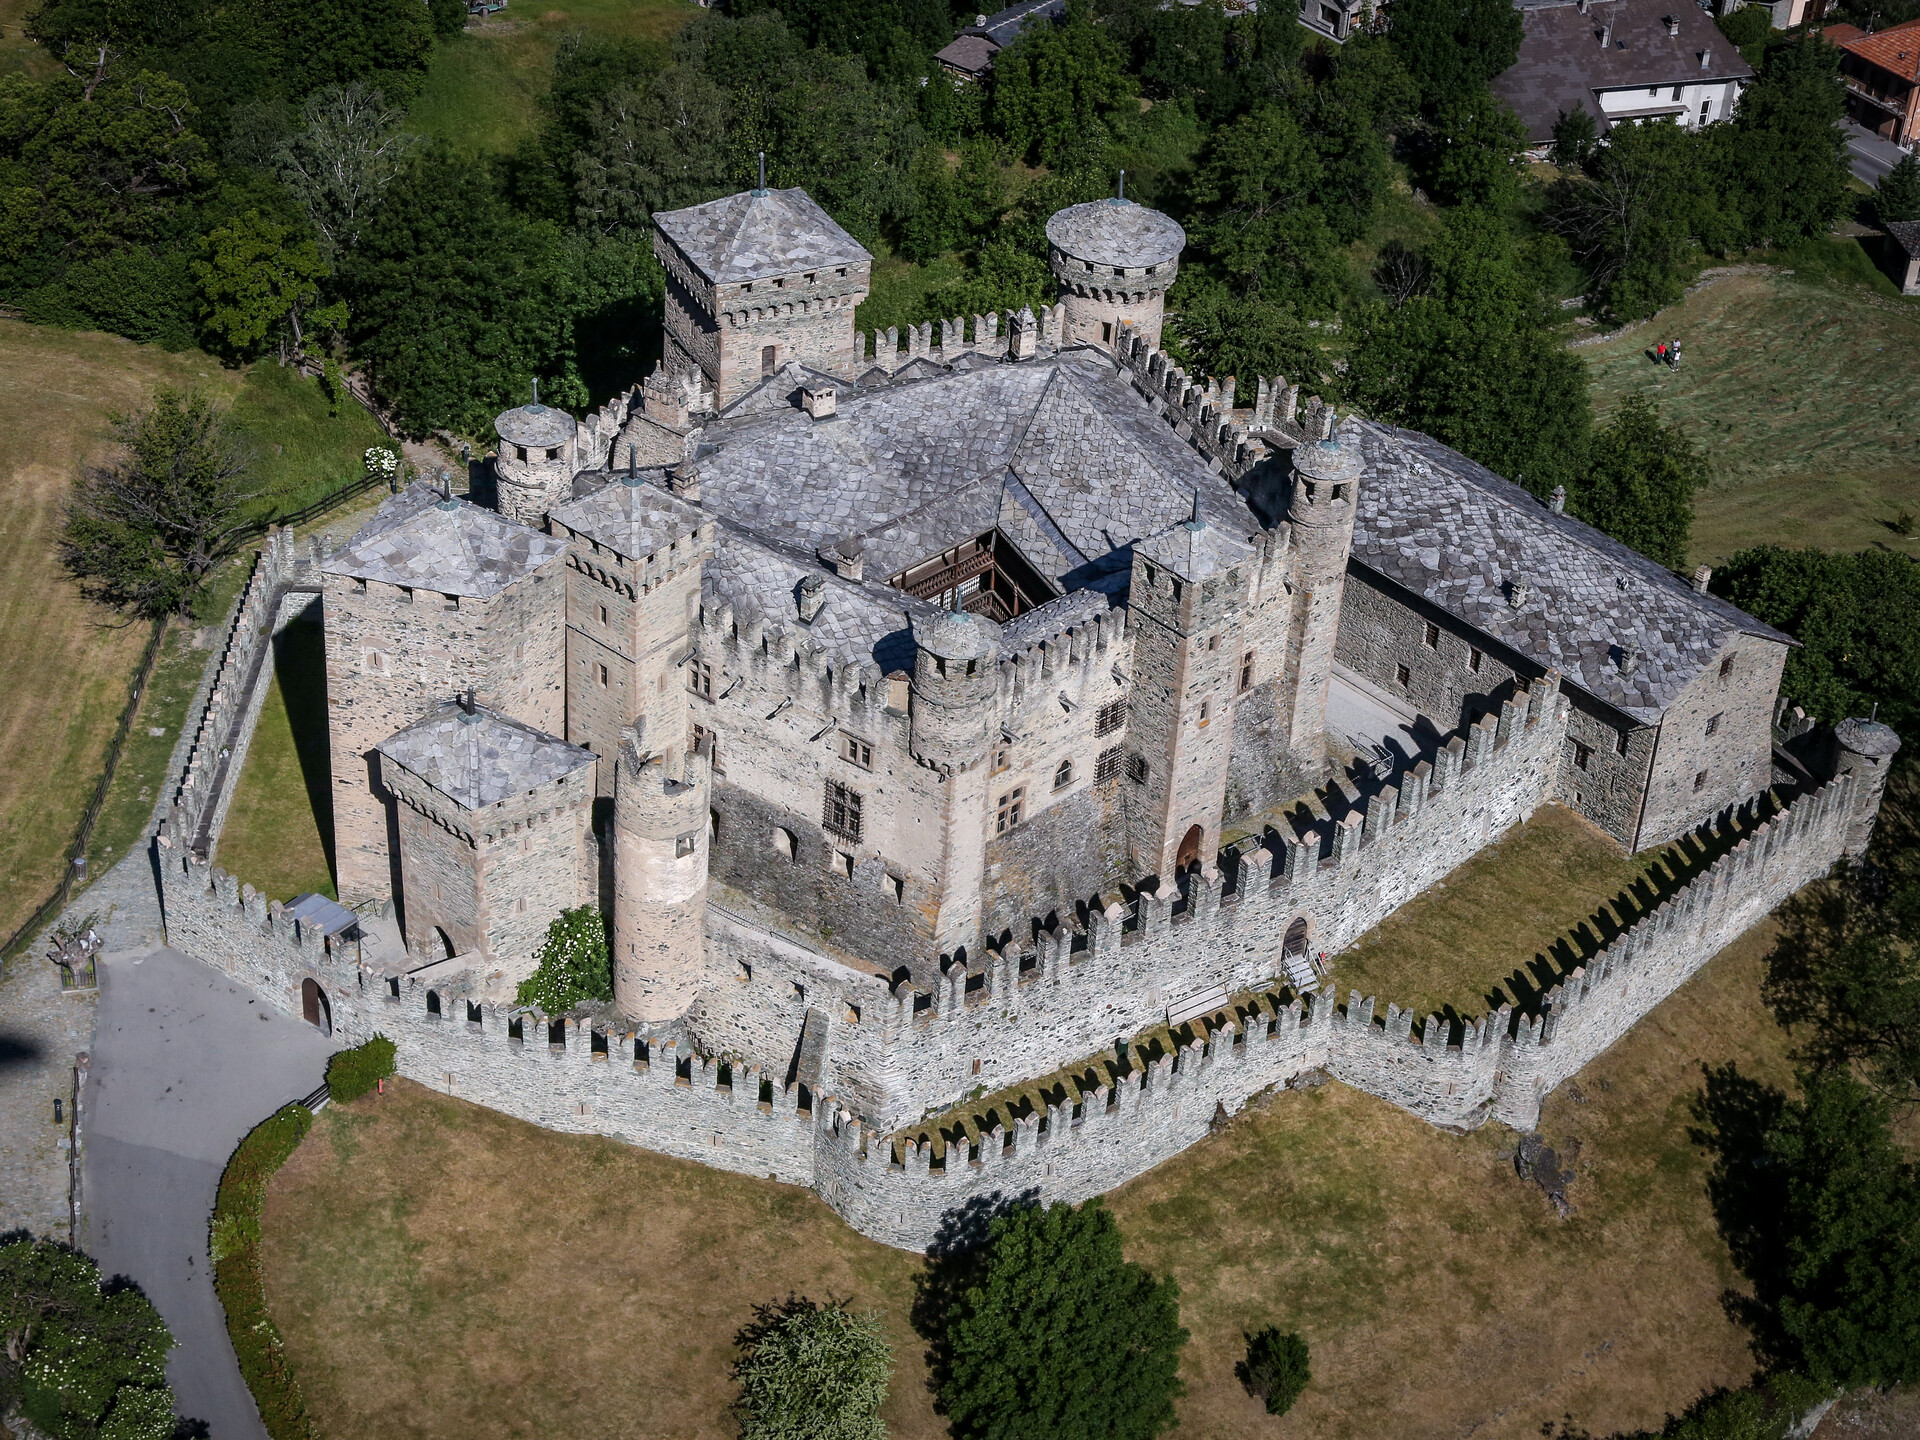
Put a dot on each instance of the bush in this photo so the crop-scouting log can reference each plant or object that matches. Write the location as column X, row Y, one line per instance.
column 352, row 1073
column 234, row 1246
column 1275, row 1369
column 812, row 1372
column 574, row 967
column 83, row 1359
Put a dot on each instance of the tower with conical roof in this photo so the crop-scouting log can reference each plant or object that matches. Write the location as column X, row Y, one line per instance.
column 756, row 280
column 1114, row 261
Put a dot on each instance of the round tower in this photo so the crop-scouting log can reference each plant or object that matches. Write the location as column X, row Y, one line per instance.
column 659, row 883
column 537, row 461
column 1326, row 485
column 955, row 676
column 1114, row 261
column 1866, row 750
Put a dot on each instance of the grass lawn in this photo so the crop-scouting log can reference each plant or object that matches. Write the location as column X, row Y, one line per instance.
column 1804, row 389
column 279, row 831
column 483, row 87
column 439, row 1270
column 304, row 451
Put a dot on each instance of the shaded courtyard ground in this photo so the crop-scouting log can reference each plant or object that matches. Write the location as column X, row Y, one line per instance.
column 440, row 1270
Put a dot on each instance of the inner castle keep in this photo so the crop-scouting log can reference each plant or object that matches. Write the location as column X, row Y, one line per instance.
column 927, row 712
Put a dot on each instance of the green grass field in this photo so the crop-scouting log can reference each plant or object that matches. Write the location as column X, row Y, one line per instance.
column 1804, row 389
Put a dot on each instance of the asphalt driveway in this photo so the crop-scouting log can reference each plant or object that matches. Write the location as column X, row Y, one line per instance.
column 185, row 1062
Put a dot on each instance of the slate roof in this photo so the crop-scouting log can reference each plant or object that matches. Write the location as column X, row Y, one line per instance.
column 1195, row 551
column 1435, row 523
column 916, row 468
column 456, row 549
column 631, row 520
column 1906, row 234
column 758, row 234
column 1116, row 232
column 972, row 54
column 1561, row 60
column 1003, row 27
column 482, row 758
column 540, row 425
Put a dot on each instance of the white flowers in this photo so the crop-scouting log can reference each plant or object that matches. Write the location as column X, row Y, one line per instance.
column 381, row 461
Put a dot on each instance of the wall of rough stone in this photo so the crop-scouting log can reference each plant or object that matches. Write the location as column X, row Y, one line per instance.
column 1695, row 773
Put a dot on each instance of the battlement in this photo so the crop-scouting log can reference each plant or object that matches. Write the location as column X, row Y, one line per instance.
column 1015, row 334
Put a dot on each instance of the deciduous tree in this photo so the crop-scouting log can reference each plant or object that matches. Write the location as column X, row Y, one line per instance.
column 1640, row 482
column 255, row 277
column 1055, row 83
column 573, row 964
column 1453, row 47
column 348, row 148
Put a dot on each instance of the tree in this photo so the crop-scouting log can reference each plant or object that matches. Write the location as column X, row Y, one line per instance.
column 1453, row 47
column 1054, row 84
column 1822, row 1215
column 85, row 1361
column 1640, row 481
column 661, row 145
column 1355, row 112
column 812, row 1372
column 254, row 277
column 1897, row 197
column 573, row 964
column 1256, row 190
column 1573, row 137
column 1475, row 140
column 1215, row 332
column 338, row 164
column 1748, row 28
column 1060, row 1338
column 1785, row 150
column 1857, row 618
column 144, row 531
column 1275, row 1369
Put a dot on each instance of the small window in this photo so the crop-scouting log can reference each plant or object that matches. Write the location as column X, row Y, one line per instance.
column 1107, row 765
column 603, row 614
column 782, row 842
column 841, row 814
column 606, row 676
column 1110, row 717
column 768, row 357
column 1153, row 576
column 707, row 742
column 683, row 845
column 841, row 272
column 1403, row 675
column 1063, row 776
column 1700, row 781
column 1106, row 332
column 1726, row 667
column 449, row 602
column 1713, row 722
column 1009, row 810
column 898, row 885
column 433, row 1002
column 1620, row 740
column 1581, row 755
column 976, row 1067
column 1432, row 636
column 1174, row 582
column 1676, row 92
column 700, row 679
column 553, row 454
column 1002, row 758
column 473, row 1012
column 1246, row 671
column 799, row 990
column 406, row 595
column 843, row 864
column 1474, row 657
column 1213, row 643
column 1206, row 712
column 1137, row 769
column 856, row 750
column 520, row 451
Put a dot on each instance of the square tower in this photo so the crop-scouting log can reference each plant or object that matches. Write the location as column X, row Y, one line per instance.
column 756, row 280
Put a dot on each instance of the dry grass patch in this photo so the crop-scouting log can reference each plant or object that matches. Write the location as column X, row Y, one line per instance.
column 440, row 1270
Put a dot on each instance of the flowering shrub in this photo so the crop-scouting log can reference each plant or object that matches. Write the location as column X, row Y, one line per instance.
column 573, row 964
column 381, row 461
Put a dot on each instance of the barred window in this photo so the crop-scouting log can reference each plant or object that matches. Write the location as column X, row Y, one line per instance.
column 1112, row 716
column 1432, row 636
column 706, row 742
column 1403, row 675
column 1246, row 671
column 1581, row 755
column 1474, row 657
column 842, row 814
column 1009, row 811
column 1726, row 667
column 1137, row 769
column 1713, row 724
column 1107, row 766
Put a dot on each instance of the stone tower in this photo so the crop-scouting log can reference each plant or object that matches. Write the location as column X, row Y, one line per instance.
column 754, row 281
column 661, row 809
column 1866, row 751
column 1187, row 594
column 1114, row 261
column 1326, row 487
column 538, row 458
column 953, row 720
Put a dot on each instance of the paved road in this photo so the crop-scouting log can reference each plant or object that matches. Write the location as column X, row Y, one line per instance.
column 1869, row 155
column 185, row 1062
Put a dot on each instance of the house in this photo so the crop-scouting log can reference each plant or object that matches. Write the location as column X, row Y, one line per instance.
column 1337, row 19
column 970, row 54
column 1625, row 62
column 1882, row 74
column 1900, row 254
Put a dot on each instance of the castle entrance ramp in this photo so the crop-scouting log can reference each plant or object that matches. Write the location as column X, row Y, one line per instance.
column 1373, row 723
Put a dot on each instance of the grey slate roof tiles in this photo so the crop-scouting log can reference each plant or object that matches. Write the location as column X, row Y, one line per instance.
column 756, row 235
column 456, row 550
column 540, row 425
column 1617, row 625
column 1116, row 232
column 632, row 520
column 481, row 759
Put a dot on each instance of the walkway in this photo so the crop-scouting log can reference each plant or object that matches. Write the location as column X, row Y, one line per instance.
column 185, row 1062
column 1869, row 156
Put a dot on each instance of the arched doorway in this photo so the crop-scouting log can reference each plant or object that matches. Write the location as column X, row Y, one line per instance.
column 314, row 1008
column 1296, row 941
column 446, row 943
column 1190, row 848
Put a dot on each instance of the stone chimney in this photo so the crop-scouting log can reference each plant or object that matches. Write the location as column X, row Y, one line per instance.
column 1025, row 334
column 812, row 597
column 1559, row 502
column 1702, row 577
column 1673, row 27
column 1517, row 592
column 819, row 401
column 845, row 557
column 685, row 481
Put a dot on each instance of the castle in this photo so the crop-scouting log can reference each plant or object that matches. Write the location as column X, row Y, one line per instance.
column 929, row 720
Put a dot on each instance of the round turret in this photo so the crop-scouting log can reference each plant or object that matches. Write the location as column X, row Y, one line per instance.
column 1114, row 261
column 954, row 717
column 1326, row 483
column 1866, row 750
column 537, row 460
column 659, row 883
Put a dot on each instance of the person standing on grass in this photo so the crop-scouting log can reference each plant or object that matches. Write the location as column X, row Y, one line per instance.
column 1661, row 352
column 1674, row 355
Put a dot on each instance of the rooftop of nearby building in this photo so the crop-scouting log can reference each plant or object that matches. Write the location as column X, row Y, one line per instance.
column 1620, row 627
column 421, row 541
column 1116, row 232
column 1905, row 234
column 1562, row 60
column 1003, row 27
column 631, row 515
column 758, row 234
column 1896, row 48
column 480, row 757
column 970, row 54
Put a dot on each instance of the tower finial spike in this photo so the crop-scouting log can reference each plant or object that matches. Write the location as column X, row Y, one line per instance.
column 761, row 188
column 536, row 389
column 1121, row 193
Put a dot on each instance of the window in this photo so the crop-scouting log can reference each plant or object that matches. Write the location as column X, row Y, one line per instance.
column 768, row 355
column 1706, row 112
column 1174, row 581
column 707, row 742
column 1581, row 755
column 520, row 905
column 1700, row 781
column 603, row 614
column 449, row 602
column 700, row 679
column 1246, row 671
column 1009, row 809
column 857, row 750
column 1713, row 723
column 683, row 845
column 406, row 595
column 520, row 451
column 1432, row 636
column 473, row 1012
column 1206, row 712
column 1620, row 740
column 782, row 842
column 606, row 676
column 1106, row 766
column 1726, row 667
column 842, row 812
column 1063, row 776
column 1403, row 675
column 1153, row 577
column 976, row 1067
column 1138, row 769
column 1676, row 92
column 1213, row 643
column 1002, row 757
column 1474, row 657
column 843, row 864
column 1106, row 332
column 1110, row 718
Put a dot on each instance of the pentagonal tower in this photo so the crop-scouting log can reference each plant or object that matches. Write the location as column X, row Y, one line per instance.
column 1114, row 261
